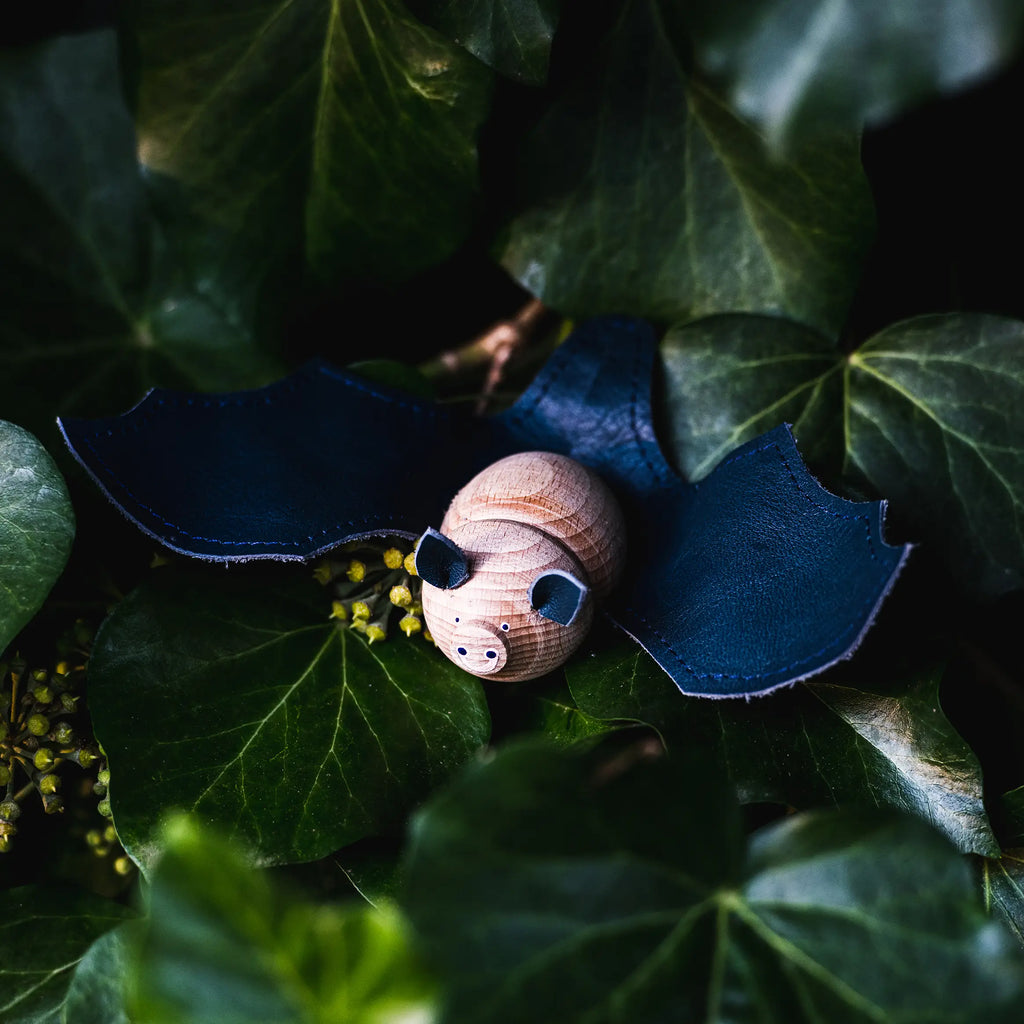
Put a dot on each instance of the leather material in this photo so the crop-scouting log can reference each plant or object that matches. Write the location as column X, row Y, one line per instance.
column 749, row 580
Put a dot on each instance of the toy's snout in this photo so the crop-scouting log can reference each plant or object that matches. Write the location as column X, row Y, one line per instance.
column 479, row 647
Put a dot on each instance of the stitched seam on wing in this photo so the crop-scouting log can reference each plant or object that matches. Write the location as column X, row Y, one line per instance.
column 366, row 520
column 784, row 669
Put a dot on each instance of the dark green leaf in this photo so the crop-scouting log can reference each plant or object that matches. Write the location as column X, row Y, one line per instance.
column 858, row 742
column 348, row 128
column 97, row 993
column 247, row 705
column 933, row 411
column 1003, row 885
column 799, row 67
column 222, row 945
column 44, row 933
column 88, row 322
column 645, row 195
column 513, row 38
column 935, row 422
column 37, row 526
column 730, row 378
column 558, row 889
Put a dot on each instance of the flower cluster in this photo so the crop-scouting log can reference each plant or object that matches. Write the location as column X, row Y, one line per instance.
column 37, row 737
column 373, row 585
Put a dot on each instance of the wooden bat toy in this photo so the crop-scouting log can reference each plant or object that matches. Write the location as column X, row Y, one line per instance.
column 748, row 580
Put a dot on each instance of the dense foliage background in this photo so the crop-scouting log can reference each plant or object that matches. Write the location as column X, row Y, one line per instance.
column 267, row 818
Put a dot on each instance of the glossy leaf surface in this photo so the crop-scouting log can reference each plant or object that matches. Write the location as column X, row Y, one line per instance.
column 97, row 992
column 860, row 741
column 558, row 889
column 513, row 38
column 248, row 706
column 37, row 526
column 644, row 194
column 347, row 128
column 929, row 413
column 730, row 378
column 799, row 66
column 93, row 310
column 935, row 421
column 44, row 933
column 222, row 943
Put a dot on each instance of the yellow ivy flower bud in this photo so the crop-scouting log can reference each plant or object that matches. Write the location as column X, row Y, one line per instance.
column 360, row 610
column 356, row 571
column 410, row 563
column 339, row 611
column 393, row 558
column 409, row 624
column 401, row 596
column 375, row 632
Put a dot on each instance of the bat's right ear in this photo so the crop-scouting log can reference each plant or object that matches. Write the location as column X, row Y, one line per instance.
column 440, row 561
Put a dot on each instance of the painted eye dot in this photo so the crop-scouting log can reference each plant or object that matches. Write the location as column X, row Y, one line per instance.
column 456, row 618
column 462, row 651
column 504, row 626
column 491, row 654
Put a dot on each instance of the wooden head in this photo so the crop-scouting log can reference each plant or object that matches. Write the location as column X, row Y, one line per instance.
column 540, row 538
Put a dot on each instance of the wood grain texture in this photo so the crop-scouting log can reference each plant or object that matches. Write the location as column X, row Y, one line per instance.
column 559, row 497
column 523, row 516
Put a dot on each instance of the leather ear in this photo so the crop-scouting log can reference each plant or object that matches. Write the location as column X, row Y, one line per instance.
column 558, row 596
column 440, row 561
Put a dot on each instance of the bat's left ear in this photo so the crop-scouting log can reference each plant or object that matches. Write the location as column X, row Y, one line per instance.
column 440, row 561
column 558, row 596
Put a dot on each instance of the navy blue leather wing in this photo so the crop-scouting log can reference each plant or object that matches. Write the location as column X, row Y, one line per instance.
column 749, row 580
column 284, row 472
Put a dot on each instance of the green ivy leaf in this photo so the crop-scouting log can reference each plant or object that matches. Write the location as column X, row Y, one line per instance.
column 644, row 194
column 935, row 422
column 1003, row 886
column 729, row 379
column 93, row 311
column 930, row 414
column 97, row 992
column 795, row 68
column 348, row 128
column 514, row 39
column 248, row 706
column 222, row 944
column 44, row 933
column 37, row 526
column 567, row 889
column 854, row 742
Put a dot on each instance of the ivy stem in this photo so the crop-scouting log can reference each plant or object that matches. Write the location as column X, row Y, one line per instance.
column 493, row 349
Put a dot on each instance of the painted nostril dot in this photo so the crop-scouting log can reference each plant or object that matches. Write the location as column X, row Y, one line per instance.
column 462, row 651
column 491, row 654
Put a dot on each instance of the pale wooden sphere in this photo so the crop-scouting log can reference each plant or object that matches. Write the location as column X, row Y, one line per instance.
column 524, row 516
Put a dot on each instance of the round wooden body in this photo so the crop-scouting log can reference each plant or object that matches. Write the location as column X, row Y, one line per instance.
column 524, row 516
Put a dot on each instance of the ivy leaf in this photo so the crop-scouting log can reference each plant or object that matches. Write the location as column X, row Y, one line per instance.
column 92, row 308
column 563, row 889
column 514, row 39
column 855, row 742
column 644, row 194
column 44, row 933
column 798, row 67
column 729, row 379
column 930, row 411
column 346, row 128
column 935, row 422
column 221, row 943
column 37, row 526
column 248, row 706
column 1003, row 886
column 96, row 994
